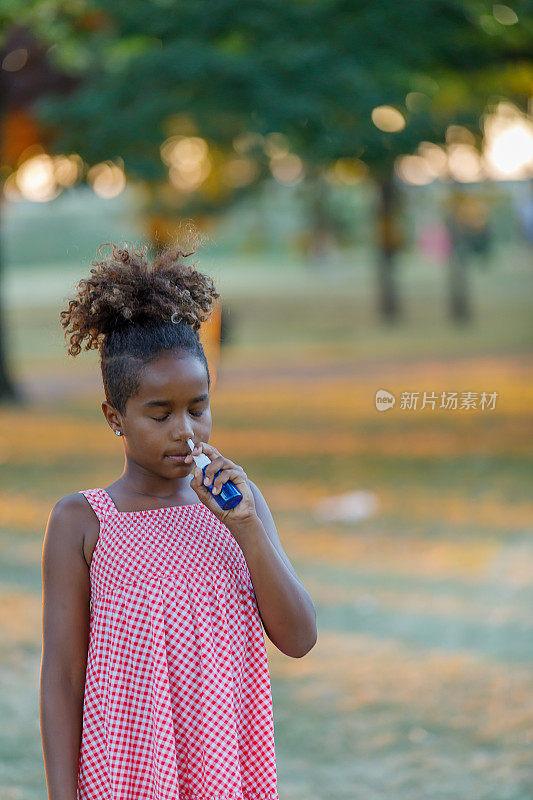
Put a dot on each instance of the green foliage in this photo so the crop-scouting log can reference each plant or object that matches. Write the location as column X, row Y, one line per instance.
column 312, row 70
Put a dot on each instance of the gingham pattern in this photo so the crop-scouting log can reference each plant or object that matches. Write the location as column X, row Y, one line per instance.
column 178, row 702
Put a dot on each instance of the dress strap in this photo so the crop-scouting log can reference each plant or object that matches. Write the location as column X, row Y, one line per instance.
column 100, row 502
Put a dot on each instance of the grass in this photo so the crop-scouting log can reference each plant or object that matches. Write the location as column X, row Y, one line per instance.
column 420, row 683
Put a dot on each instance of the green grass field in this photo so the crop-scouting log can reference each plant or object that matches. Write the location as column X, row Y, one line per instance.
column 419, row 686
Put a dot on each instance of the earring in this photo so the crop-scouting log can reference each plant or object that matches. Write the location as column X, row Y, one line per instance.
column 118, row 433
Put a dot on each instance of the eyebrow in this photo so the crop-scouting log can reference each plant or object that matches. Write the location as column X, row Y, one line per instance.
column 153, row 403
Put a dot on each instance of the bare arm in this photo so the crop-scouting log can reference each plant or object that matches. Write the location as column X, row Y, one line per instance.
column 286, row 608
column 66, row 596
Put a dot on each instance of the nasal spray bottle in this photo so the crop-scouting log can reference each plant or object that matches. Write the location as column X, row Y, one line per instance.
column 229, row 496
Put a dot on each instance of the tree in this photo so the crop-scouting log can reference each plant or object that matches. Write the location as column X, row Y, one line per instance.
column 25, row 75
column 341, row 79
column 314, row 71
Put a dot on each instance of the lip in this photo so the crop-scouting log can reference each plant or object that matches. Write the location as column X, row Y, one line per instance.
column 177, row 459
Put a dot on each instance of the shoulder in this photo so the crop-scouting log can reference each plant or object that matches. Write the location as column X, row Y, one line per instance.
column 71, row 508
column 66, row 592
column 71, row 523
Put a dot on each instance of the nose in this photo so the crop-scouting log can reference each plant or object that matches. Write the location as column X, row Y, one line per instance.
column 183, row 437
column 182, row 434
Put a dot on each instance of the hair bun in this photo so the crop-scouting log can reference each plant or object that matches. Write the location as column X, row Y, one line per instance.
column 126, row 289
column 123, row 255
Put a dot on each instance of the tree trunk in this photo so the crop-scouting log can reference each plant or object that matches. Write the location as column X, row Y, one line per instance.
column 10, row 394
column 387, row 293
column 389, row 242
column 321, row 242
column 458, row 294
column 460, row 310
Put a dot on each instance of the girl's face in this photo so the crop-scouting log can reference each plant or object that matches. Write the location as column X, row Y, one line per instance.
column 172, row 405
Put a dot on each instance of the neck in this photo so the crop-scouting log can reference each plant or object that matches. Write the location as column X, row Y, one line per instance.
column 136, row 480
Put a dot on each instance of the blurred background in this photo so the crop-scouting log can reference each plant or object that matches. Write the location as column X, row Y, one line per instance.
column 362, row 174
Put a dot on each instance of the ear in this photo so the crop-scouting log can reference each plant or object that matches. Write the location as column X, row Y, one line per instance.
column 112, row 416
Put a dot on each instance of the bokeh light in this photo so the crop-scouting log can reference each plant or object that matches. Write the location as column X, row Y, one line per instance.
column 509, row 143
column 107, row 179
column 388, row 119
column 435, row 157
column 458, row 134
column 276, row 145
column 287, row 169
column 247, row 142
column 504, row 14
column 414, row 170
column 348, row 171
column 67, row 169
column 35, row 179
column 506, row 152
column 15, row 60
column 464, row 163
column 188, row 159
column 11, row 190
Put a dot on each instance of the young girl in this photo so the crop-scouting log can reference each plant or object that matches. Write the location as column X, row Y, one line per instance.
column 154, row 675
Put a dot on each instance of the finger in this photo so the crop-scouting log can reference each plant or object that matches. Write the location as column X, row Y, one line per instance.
column 236, row 475
column 196, row 452
column 210, row 451
column 202, row 491
column 216, row 465
column 197, row 482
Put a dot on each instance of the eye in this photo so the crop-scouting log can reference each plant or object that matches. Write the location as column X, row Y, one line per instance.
column 162, row 419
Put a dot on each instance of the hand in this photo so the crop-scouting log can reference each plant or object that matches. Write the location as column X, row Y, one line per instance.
column 244, row 512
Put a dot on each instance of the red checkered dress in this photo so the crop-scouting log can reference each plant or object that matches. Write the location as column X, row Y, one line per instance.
column 177, row 701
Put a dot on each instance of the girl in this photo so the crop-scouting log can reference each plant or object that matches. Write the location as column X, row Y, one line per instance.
column 154, row 676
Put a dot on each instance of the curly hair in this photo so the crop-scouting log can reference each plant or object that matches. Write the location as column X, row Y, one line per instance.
column 133, row 311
